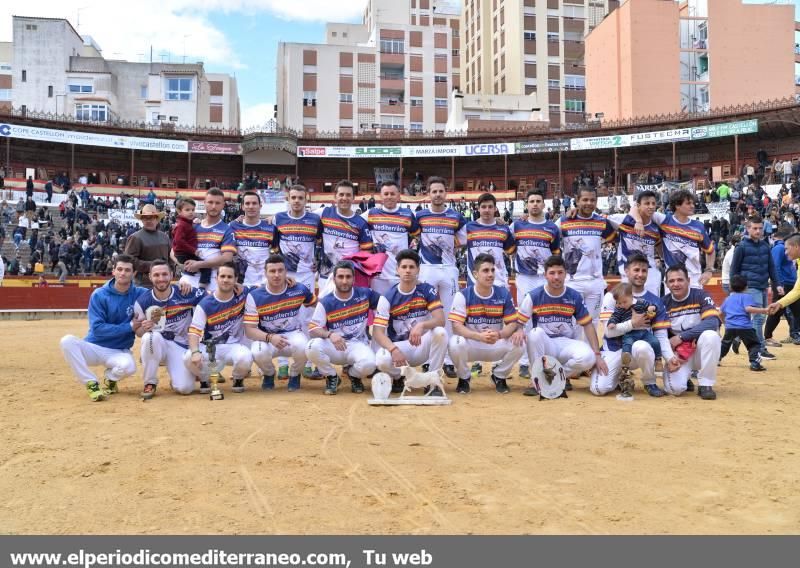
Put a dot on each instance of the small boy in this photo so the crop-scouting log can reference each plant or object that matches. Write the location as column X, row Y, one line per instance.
column 736, row 311
column 184, row 239
column 626, row 305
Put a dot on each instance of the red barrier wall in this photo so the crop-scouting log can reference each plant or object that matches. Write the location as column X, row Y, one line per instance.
column 44, row 298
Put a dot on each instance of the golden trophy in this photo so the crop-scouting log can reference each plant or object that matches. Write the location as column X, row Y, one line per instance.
column 214, row 367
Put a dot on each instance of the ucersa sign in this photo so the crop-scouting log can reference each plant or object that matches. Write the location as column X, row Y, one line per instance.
column 488, row 149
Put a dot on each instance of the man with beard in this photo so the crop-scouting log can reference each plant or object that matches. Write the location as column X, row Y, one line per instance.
column 485, row 236
column 254, row 240
column 165, row 312
column 392, row 227
column 339, row 331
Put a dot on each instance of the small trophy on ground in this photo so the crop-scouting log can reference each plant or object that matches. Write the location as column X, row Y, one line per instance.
column 625, row 379
column 214, row 367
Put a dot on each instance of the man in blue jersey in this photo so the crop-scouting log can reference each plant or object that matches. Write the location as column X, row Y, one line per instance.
column 695, row 323
column 254, row 240
column 220, row 316
column 344, row 233
column 165, row 313
column 409, row 323
column 642, row 355
column 558, row 314
column 485, row 236
column 272, row 322
column 442, row 232
column 111, row 333
column 338, row 330
column 215, row 242
column 392, row 227
column 536, row 239
column 484, row 321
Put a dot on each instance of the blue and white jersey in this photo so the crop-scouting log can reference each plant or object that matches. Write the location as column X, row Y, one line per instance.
column 254, row 245
column 277, row 313
column 297, row 239
column 630, row 241
column 400, row 312
column 687, row 313
column 214, row 318
column 683, row 243
column 483, row 313
column 391, row 232
column 440, row 235
column 659, row 323
column 582, row 245
column 342, row 236
column 347, row 317
column 535, row 242
column 492, row 239
column 214, row 240
column 176, row 312
column 557, row 316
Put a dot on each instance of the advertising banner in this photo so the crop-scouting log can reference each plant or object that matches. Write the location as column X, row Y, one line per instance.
column 536, row 147
column 92, row 138
column 725, row 129
column 215, row 148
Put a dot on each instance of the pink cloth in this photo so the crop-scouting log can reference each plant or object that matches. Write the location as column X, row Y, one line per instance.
column 367, row 265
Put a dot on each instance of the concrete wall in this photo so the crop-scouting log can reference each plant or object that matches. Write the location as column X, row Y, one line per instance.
column 603, row 67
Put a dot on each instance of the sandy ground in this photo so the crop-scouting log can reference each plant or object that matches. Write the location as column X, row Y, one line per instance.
column 303, row 463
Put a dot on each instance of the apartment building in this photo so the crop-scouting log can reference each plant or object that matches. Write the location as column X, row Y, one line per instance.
column 523, row 47
column 55, row 70
column 660, row 57
column 6, row 78
column 395, row 70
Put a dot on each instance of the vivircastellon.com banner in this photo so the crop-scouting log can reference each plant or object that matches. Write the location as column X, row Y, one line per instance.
column 92, row 138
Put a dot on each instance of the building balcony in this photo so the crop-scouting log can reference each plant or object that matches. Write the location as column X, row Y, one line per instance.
column 398, row 84
column 393, row 58
column 399, row 108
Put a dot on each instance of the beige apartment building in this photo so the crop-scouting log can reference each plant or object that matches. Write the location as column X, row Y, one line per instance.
column 395, row 70
column 653, row 57
column 523, row 47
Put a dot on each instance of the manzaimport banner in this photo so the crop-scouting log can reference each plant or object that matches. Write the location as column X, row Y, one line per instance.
column 92, row 138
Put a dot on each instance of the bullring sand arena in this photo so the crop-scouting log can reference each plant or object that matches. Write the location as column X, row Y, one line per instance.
column 304, row 463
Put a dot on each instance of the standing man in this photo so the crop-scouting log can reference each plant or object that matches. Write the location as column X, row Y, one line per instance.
column 787, row 274
column 409, row 323
column 392, row 227
column 556, row 311
column 111, row 333
column 254, row 240
column 344, row 233
column 484, row 323
column 147, row 244
column 485, row 236
column 536, row 239
column 165, row 313
column 272, row 322
column 753, row 260
column 695, row 321
column 643, row 238
column 643, row 357
column 338, row 330
column 220, row 316
column 442, row 231
column 215, row 242
column 582, row 239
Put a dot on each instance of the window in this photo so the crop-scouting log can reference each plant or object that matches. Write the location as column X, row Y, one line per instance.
column 143, row 92
column 553, row 84
column 5, row 94
column 91, row 112
column 555, row 108
column 80, row 88
column 575, row 82
column 416, row 102
column 455, row 53
column 179, row 89
column 345, row 97
column 529, row 36
column 392, row 122
column 441, row 102
column 571, row 105
column 346, row 71
column 31, row 27
column 5, row 67
column 416, row 127
column 309, row 98
column 24, row 76
column 154, row 117
column 333, row 34
column 552, row 37
column 393, row 46
column 50, row 91
column 440, row 78
column 344, row 34
column 454, row 32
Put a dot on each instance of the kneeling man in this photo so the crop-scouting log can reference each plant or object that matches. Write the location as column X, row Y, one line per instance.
column 409, row 323
column 272, row 321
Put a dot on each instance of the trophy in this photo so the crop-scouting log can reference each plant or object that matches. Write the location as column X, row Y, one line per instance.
column 214, row 367
column 625, row 379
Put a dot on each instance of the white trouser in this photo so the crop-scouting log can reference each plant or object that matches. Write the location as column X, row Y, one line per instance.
column 155, row 351
column 81, row 354
column 525, row 284
column 642, row 357
column 309, row 280
column 263, row 353
column 326, row 286
column 382, row 285
column 463, row 350
column 431, row 351
column 234, row 354
column 194, row 280
column 444, row 280
column 575, row 356
column 704, row 361
column 592, row 292
column 653, row 284
column 324, row 355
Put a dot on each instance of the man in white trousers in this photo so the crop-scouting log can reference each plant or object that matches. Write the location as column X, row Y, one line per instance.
column 220, row 316
column 557, row 313
column 695, row 320
column 442, row 232
column 409, row 324
column 642, row 355
column 338, row 330
column 484, row 321
column 272, row 321
column 111, row 333
column 165, row 313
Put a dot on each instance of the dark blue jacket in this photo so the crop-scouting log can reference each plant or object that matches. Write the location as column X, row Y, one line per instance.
column 753, row 260
column 787, row 272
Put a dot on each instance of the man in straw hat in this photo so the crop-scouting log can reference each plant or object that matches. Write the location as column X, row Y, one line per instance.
column 147, row 244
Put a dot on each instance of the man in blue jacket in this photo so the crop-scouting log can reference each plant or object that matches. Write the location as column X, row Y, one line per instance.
column 787, row 275
column 749, row 260
column 111, row 333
